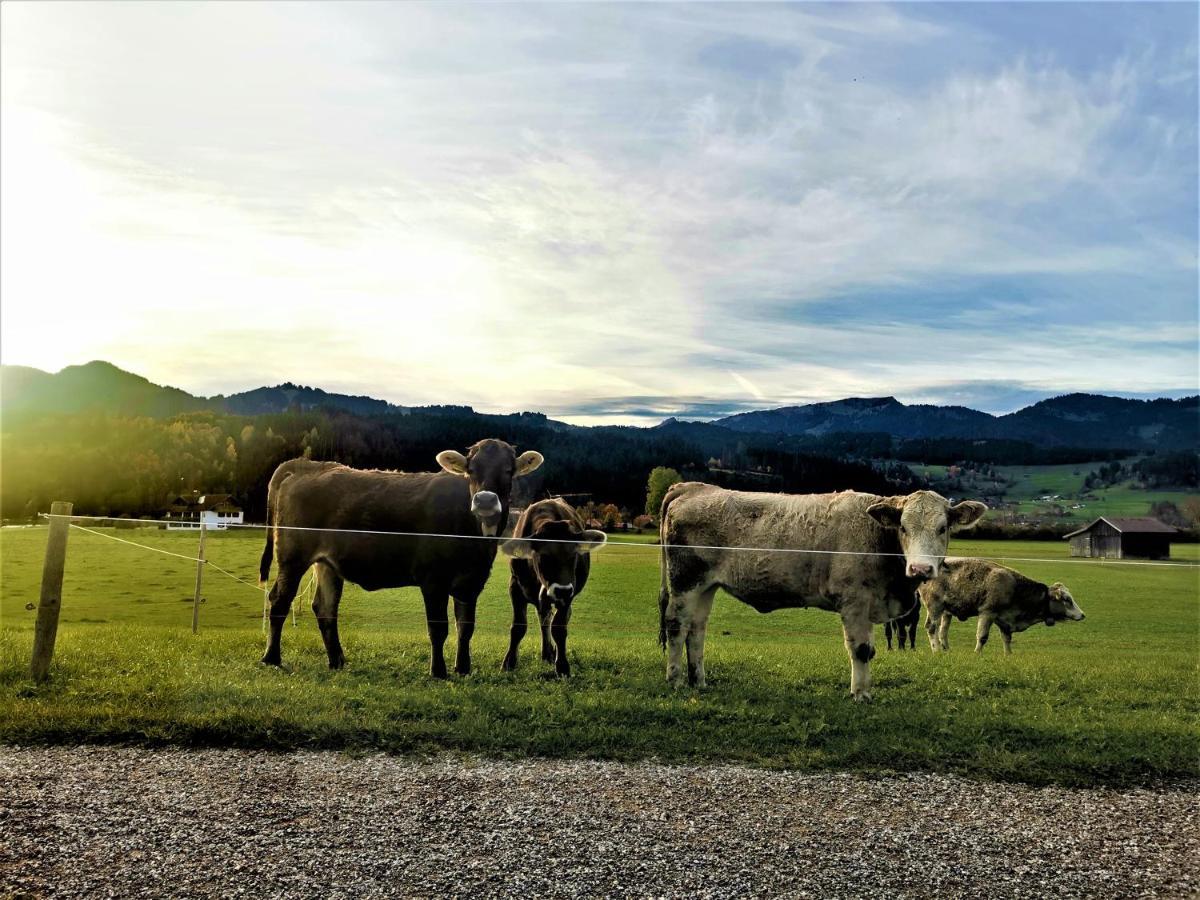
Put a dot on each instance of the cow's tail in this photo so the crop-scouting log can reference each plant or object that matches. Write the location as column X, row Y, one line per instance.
column 664, row 595
column 264, row 565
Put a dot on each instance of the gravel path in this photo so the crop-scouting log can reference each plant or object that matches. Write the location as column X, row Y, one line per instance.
column 124, row 822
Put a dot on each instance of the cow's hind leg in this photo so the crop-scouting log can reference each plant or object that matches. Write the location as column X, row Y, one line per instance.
column 912, row 633
column 283, row 592
column 464, row 623
column 325, row 607
column 860, row 644
column 439, row 626
column 701, row 608
column 519, row 624
column 887, row 631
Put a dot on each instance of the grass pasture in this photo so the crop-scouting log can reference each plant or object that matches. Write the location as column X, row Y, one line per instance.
column 1111, row 700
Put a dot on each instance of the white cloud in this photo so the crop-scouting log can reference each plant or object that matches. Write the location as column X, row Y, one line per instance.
column 523, row 207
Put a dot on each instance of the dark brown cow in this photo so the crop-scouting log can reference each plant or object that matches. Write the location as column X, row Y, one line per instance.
column 904, row 626
column 551, row 558
column 313, row 509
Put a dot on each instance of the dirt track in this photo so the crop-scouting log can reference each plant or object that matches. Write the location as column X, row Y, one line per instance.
column 123, row 822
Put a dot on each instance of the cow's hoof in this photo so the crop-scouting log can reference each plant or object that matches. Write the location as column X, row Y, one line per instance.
column 438, row 672
column 509, row 665
column 861, row 697
column 563, row 672
column 337, row 664
column 272, row 660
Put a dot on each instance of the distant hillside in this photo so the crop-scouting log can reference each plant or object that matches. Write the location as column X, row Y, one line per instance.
column 102, row 387
column 93, row 387
column 1073, row 420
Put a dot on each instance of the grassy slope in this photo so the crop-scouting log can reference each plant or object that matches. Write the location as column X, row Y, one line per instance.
column 1111, row 700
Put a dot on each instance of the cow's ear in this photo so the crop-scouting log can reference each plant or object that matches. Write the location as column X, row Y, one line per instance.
column 592, row 540
column 517, row 548
column 966, row 513
column 528, row 462
column 453, row 462
column 1059, row 592
column 887, row 512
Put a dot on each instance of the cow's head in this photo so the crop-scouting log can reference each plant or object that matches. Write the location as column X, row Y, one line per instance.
column 490, row 467
column 924, row 520
column 1061, row 605
column 552, row 556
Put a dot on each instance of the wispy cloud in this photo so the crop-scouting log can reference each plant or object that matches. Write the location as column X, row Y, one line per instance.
column 609, row 212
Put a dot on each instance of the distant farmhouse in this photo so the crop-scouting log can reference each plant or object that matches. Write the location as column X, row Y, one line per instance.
column 189, row 511
column 1112, row 538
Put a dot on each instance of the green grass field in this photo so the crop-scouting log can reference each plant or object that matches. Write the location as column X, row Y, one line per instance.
column 1110, row 700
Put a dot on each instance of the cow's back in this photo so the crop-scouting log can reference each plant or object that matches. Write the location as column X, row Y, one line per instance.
column 382, row 529
column 779, row 550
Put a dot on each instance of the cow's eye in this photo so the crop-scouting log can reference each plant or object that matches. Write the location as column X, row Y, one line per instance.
column 903, row 530
column 942, row 530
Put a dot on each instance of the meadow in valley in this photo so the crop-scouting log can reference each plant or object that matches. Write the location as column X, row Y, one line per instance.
column 1110, row 700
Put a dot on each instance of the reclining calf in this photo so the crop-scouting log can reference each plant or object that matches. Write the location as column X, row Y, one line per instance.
column 994, row 593
column 550, row 561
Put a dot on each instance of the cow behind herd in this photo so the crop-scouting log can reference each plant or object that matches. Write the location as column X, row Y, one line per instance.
column 870, row 559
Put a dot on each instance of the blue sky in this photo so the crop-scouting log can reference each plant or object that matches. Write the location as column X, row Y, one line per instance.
column 607, row 212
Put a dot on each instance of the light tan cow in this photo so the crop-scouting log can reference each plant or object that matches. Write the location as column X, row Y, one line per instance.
column 859, row 555
column 998, row 595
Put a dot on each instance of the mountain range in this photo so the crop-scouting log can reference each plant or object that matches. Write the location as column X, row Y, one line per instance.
column 1072, row 420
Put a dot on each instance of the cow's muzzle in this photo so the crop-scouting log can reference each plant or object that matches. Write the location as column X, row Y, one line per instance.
column 559, row 594
column 486, row 507
column 920, row 570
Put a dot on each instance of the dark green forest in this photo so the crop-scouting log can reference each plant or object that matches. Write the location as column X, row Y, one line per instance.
column 131, row 465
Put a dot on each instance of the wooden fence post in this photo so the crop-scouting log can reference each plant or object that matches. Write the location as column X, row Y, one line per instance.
column 50, row 602
column 199, row 579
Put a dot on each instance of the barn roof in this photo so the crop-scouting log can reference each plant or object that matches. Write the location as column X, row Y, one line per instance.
column 1129, row 525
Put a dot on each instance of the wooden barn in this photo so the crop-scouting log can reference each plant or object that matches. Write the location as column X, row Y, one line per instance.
column 1112, row 538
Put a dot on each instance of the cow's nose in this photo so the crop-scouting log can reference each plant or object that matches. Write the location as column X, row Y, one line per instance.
column 920, row 570
column 485, row 503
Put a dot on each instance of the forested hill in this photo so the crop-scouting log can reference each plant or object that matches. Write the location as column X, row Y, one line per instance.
column 1073, row 420
column 115, row 443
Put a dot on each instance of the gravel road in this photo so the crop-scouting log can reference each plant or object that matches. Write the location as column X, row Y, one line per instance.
column 127, row 822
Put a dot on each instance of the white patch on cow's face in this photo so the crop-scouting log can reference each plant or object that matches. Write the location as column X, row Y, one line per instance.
column 1062, row 602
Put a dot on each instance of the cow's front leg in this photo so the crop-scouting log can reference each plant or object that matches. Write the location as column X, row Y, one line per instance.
column 944, row 631
column 931, row 627
column 981, row 631
column 558, row 631
column 464, row 623
column 1006, row 633
column 887, row 632
column 439, row 627
column 546, row 617
column 519, row 624
column 860, row 644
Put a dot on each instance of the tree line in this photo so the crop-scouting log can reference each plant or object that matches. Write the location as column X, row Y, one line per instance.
column 114, row 465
